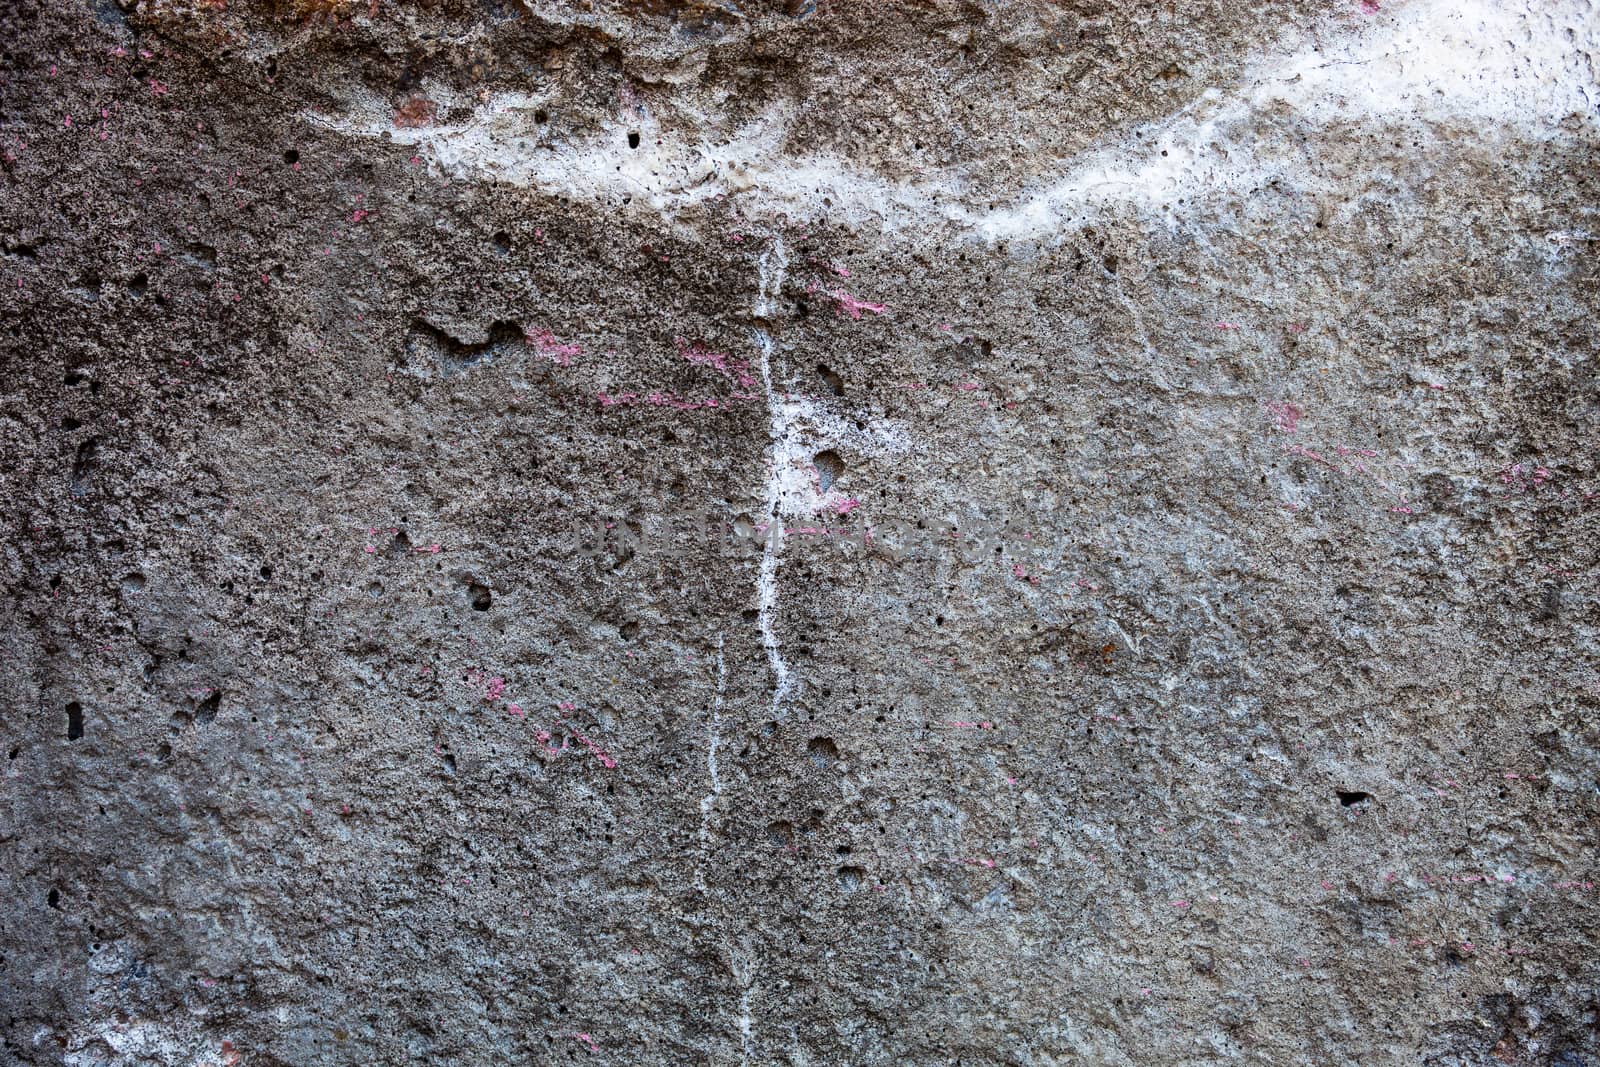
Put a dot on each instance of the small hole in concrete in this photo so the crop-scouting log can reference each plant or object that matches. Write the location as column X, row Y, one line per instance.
column 74, row 721
column 481, row 597
column 1351, row 797
column 830, row 467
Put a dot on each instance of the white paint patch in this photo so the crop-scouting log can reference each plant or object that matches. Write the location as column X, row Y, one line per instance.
column 1479, row 62
column 1523, row 63
column 143, row 1041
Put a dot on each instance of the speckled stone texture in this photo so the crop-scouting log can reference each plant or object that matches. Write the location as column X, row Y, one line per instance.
column 799, row 532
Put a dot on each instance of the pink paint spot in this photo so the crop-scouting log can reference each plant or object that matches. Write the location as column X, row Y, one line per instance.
column 1369, row 7
column 515, row 711
column 1306, row 453
column 157, row 89
column 492, row 689
column 845, row 507
column 697, row 354
column 359, row 215
column 1286, row 416
column 588, row 1042
column 853, row 306
column 967, row 387
column 1227, row 326
column 1180, row 904
column 549, row 347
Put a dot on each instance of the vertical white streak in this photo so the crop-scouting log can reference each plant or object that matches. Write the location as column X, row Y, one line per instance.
column 744, row 1027
column 780, row 413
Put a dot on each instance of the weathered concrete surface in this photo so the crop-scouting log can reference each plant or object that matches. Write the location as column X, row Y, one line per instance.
column 396, row 670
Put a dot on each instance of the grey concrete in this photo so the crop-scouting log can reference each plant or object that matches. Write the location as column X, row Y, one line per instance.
column 817, row 533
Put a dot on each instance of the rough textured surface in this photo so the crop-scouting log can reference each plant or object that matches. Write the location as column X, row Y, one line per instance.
column 802, row 532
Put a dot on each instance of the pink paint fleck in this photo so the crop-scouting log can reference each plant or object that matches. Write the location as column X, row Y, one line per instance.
column 360, row 214
column 845, row 507
column 601, row 754
column 1180, row 904
column 1306, row 453
column 588, row 1042
column 854, row 306
column 1286, row 416
column 492, row 689
column 549, row 347
column 697, row 354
